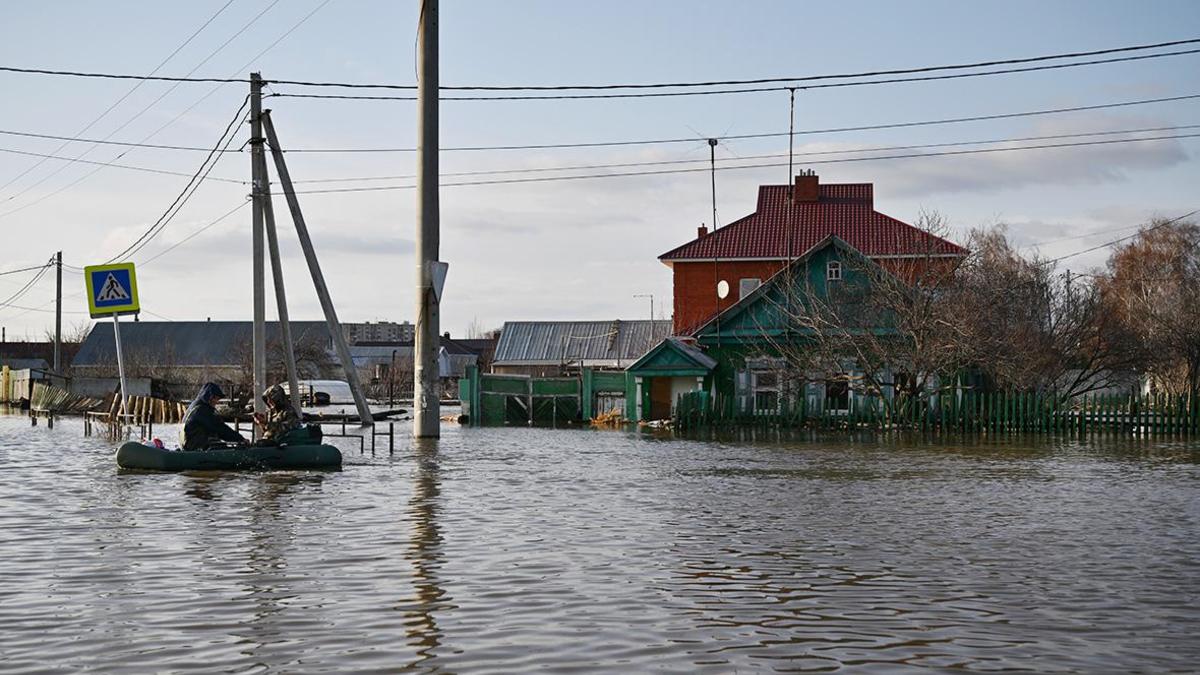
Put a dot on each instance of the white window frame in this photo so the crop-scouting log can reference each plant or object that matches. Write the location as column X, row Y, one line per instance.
column 833, row 270
column 743, row 291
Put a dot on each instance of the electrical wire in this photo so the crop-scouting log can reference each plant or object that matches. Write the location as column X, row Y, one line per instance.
column 626, row 174
column 97, row 141
column 668, row 162
column 141, row 112
column 25, row 289
column 710, row 92
column 135, row 117
column 23, row 269
column 128, row 93
column 194, row 234
column 1117, row 241
column 185, row 111
column 190, row 108
column 75, row 160
column 182, row 198
column 594, row 87
column 780, row 134
column 872, row 127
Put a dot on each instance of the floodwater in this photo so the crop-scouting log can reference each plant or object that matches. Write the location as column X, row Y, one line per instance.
column 512, row 550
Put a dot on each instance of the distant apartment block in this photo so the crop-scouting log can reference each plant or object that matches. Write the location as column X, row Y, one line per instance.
column 379, row 331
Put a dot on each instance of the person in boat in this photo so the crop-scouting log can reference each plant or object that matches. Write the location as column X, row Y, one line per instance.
column 280, row 418
column 202, row 428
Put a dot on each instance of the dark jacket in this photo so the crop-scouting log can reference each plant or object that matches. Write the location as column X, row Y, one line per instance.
column 201, row 426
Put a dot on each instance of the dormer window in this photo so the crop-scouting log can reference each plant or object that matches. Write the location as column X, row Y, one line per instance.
column 833, row 270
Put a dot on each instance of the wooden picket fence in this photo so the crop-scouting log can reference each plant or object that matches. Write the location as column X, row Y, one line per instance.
column 965, row 412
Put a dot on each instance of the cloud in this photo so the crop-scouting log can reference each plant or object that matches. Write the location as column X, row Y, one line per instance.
column 334, row 243
column 1008, row 168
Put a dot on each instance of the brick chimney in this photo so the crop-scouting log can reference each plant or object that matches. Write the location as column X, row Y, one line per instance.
column 806, row 189
column 701, row 232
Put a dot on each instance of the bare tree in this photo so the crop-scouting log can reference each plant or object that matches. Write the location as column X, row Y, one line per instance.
column 1027, row 326
column 1152, row 288
column 885, row 327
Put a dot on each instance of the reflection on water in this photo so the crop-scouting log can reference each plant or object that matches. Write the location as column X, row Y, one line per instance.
column 424, row 554
column 521, row 549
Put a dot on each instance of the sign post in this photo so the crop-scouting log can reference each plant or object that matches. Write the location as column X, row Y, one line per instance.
column 112, row 291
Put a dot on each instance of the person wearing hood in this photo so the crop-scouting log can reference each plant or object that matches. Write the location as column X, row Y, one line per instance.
column 280, row 417
column 202, row 428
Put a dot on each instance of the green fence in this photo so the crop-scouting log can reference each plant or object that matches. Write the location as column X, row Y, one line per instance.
column 493, row 399
column 1174, row 415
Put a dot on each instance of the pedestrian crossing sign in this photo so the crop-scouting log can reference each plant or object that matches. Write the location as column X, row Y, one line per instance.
column 111, row 289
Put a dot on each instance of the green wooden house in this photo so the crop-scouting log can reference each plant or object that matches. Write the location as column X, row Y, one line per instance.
column 749, row 350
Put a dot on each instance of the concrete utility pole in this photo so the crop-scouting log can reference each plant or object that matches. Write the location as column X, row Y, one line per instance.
column 285, row 326
column 314, row 269
column 58, row 313
column 259, row 338
column 426, row 399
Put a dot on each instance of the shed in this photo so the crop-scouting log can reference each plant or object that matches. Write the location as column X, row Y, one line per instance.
column 549, row 348
column 674, row 367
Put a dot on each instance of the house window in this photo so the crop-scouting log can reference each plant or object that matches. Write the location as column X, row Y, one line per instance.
column 837, row 395
column 747, row 286
column 833, row 270
column 766, row 391
column 766, row 401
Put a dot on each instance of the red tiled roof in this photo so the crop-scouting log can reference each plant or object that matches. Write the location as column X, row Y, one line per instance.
column 845, row 210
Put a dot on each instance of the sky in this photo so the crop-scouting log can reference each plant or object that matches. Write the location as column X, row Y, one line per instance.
column 555, row 250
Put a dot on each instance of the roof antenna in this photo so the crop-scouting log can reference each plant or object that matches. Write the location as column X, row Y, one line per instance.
column 712, row 162
column 791, row 191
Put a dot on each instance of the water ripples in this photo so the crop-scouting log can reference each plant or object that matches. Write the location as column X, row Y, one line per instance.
column 514, row 550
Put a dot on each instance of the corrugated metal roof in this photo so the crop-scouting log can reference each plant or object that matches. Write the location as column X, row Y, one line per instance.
column 25, row 364
column 845, row 210
column 591, row 343
column 185, row 343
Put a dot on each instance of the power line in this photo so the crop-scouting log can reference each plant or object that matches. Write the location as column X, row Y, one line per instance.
column 548, row 179
column 138, row 114
column 812, row 78
column 194, row 234
column 593, row 87
column 23, row 269
column 182, row 198
column 669, row 162
column 25, row 289
column 1117, row 241
column 828, row 85
column 127, row 122
column 185, row 111
column 128, row 93
column 115, row 165
column 780, row 134
column 97, row 141
column 661, row 141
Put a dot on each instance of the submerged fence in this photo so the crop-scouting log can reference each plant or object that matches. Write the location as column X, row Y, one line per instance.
column 1174, row 415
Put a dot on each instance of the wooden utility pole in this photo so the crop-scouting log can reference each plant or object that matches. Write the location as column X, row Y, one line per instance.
column 426, row 398
column 58, row 313
column 259, row 338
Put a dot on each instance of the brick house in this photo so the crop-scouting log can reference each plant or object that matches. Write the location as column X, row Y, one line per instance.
column 715, row 270
column 826, row 232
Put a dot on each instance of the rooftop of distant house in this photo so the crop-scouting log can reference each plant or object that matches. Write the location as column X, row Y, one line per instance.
column 791, row 219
